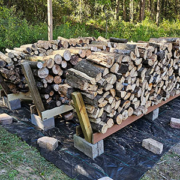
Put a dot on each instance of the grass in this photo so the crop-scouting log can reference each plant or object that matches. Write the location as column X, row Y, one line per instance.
column 19, row 161
column 167, row 168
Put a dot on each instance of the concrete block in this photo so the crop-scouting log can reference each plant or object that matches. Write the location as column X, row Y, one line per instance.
column 105, row 178
column 152, row 145
column 175, row 123
column 48, row 143
column 152, row 115
column 91, row 150
column 44, row 125
column 12, row 105
column 5, row 119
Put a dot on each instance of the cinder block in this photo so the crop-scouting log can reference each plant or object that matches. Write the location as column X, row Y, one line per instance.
column 105, row 178
column 91, row 150
column 12, row 105
column 44, row 125
column 152, row 115
column 5, row 119
column 152, row 145
column 48, row 143
column 175, row 123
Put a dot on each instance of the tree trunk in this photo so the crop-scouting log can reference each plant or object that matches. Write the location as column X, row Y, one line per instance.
column 163, row 8
column 166, row 8
column 124, row 10
column 139, row 9
column 158, row 12
column 149, row 6
column 131, row 14
column 143, row 2
column 117, row 10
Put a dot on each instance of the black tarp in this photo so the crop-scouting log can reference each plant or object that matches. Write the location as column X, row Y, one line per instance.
column 124, row 157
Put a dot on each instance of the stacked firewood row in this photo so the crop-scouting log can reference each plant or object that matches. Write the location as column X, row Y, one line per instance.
column 50, row 73
column 11, row 72
column 116, row 78
column 10, row 62
column 40, row 48
column 127, row 80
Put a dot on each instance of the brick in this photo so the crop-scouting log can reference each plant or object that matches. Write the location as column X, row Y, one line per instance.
column 12, row 105
column 5, row 119
column 152, row 145
column 48, row 143
column 105, row 178
column 91, row 150
column 175, row 123
column 44, row 125
column 152, row 115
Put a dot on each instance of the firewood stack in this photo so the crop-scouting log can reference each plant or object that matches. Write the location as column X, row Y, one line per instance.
column 40, row 48
column 50, row 74
column 10, row 63
column 127, row 80
column 10, row 68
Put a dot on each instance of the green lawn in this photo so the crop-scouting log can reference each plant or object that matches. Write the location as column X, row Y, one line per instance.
column 18, row 160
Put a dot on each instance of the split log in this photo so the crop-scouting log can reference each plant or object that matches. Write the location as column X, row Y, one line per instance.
column 101, row 58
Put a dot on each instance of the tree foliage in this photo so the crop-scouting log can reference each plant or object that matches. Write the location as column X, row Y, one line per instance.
column 35, row 11
column 25, row 21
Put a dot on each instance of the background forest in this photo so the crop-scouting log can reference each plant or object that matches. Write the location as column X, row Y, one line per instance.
column 25, row 21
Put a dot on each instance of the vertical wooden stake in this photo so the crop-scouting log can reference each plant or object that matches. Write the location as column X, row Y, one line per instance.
column 82, row 115
column 32, row 87
column 50, row 20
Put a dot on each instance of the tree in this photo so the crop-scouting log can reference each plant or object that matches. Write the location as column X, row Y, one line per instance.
column 143, row 2
column 158, row 12
column 131, row 14
column 124, row 10
column 149, row 6
column 117, row 10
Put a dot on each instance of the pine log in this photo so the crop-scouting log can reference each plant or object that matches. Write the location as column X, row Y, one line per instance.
column 43, row 72
column 118, row 40
column 66, row 54
column 5, row 58
column 100, row 127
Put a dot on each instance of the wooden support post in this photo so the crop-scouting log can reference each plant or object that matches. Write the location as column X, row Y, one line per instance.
column 50, row 20
column 33, row 88
column 4, row 85
column 82, row 115
column 56, row 111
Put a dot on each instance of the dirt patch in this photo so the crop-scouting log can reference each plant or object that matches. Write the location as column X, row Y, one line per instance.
column 167, row 168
